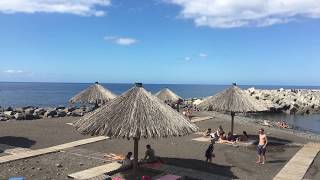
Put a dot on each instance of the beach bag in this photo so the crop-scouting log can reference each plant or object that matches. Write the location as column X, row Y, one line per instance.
column 117, row 178
column 146, row 178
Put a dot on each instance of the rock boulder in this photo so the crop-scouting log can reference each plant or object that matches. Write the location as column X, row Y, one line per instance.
column 19, row 116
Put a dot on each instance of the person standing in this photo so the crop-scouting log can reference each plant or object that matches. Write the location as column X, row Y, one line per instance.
column 262, row 146
column 209, row 152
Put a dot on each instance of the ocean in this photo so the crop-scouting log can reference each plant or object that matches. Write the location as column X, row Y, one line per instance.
column 53, row 94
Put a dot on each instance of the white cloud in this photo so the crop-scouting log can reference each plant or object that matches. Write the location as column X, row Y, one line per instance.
column 125, row 41
column 237, row 13
column 187, row 58
column 12, row 71
column 77, row 7
column 203, row 55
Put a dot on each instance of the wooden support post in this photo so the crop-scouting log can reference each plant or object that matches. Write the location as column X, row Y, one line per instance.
column 232, row 121
column 136, row 148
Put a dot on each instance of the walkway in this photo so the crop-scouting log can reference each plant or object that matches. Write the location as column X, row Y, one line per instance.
column 299, row 164
column 199, row 119
column 96, row 171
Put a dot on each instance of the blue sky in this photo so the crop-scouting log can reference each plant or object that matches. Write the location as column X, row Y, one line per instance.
column 161, row 41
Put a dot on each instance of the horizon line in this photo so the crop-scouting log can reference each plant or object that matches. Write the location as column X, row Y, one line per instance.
column 218, row 84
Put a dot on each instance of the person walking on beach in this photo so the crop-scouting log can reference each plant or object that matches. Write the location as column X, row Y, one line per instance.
column 209, row 152
column 261, row 149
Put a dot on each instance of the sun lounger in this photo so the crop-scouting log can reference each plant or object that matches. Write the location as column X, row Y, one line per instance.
column 169, row 177
column 96, row 171
column 202, row 139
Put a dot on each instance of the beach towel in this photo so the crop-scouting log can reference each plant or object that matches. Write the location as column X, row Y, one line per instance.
column 155, row 165
column 169, row 177
column 146, row 178
column 113, row 157
column 117, row 178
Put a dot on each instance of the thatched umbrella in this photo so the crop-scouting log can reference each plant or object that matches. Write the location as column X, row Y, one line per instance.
column 134, row 114
column 167, row 95
column 233, row 100
column 93, row 95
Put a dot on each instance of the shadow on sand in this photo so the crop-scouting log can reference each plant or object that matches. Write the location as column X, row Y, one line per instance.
column 12, row 141
column 131, row 175
column 272, row 141
column 277, row 161
column 200, row 165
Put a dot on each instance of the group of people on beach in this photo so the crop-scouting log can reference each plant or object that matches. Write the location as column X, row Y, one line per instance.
column 187, row 112
column 283, row 125
column 219, row 136
column 149, row 157
column 279, row 124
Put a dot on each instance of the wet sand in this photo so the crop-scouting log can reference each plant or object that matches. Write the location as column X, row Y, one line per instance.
column 230, row 161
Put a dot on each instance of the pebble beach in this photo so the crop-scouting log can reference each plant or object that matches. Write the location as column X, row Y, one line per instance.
column 231, row 162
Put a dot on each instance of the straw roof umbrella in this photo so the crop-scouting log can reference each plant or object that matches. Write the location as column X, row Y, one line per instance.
column 93, row 94
column 233, row 100
column 134, row 114
column 167, row 95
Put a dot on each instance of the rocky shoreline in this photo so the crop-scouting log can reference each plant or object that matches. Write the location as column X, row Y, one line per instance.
column 289, row 101
column 31, row 112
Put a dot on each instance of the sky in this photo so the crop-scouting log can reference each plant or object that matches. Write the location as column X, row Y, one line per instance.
column 254, row 42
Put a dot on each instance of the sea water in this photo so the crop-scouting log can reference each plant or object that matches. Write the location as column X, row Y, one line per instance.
column 54, row 94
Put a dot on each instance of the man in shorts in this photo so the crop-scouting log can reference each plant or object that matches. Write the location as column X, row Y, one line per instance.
column 261, row 149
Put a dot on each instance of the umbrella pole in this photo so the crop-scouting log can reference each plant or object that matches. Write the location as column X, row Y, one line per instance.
column 232, row 121
column 136, row 145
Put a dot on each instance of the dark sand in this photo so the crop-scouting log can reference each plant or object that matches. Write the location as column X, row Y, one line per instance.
column 47, row 167
column 230, row 161
column 37, row 134
column 314, row 170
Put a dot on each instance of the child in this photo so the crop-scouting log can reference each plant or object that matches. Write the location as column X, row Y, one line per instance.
column 209, row 152
column 208, row 132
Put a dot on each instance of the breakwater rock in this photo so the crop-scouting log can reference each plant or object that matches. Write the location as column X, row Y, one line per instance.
column 30, row 112
column 290, row 101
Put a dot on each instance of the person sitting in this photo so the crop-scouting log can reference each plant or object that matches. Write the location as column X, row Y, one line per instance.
column 150, row 156
column 218, row 132
column 230, row 137
column 208, row 132
column 243, row 137
column 184, row 112
column 127, row 162
column 285, row 125
column 282, row 125
column 223, row 140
